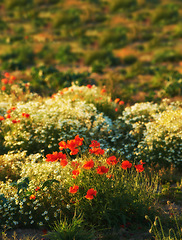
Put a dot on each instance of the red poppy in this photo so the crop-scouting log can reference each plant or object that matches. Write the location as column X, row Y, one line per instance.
column 88, row 164
column 9, row 111
column 91, row 193
column 1, row 118
column 74, row 151
column 102, row 169
column 8, row 116
column 89, row 86
column 26, row 115
column 139, row 168
column 121, row 103
column 112, row 160
column 37, row 189
column 103, row 91
column 141, row 162
column 78, row 140
column 126, row 164
column 116, row 109
column 73, row 189
column 94, row 144
column 15, row 121
column 7, row 75
column 117, row 100
column 62, row 145
column 3, row 88
column 4, row 81
column 63, row 162
column 97, row 151
column 76, row 172
column 55, row 157
column 13, row 78
column 71, row 144
column 110, row 176
column 32, row 197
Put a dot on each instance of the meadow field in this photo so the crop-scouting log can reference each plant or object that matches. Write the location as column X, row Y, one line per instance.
column 91, row 119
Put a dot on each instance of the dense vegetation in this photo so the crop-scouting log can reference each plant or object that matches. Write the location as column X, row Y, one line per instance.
column 91, row 118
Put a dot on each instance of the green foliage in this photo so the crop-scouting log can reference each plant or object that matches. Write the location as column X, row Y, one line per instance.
column 43, row 2
column 114, row 38
column 166, row 14
column 123, row 4
column 65, row 55
column 104, row 56
column 68, row 230
column 167, row 55
column 12, row 4
column 47, row 80
column 68, row 18
column 18, row 58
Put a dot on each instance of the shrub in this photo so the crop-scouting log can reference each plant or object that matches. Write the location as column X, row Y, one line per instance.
column 68, row 18
column 163, row 139
column 11, row 4
column 114, row 38
column 105, row 191
column 168, row 55
column 48, row 80
column 166, row 14
column 18, row 58
column 105, row 56
column 123, row 4
column 65, row 55
column 43, row 2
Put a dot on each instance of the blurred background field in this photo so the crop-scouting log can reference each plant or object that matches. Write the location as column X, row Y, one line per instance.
column 132, row 47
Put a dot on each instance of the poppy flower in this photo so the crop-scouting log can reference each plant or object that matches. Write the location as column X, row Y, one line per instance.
column 7, row 75
column 13, row 78
column 8, row 116
column 121, row 102
column 26, row 115
column 32, row 197
column 15, row 121
column 9, row 111
column 1, row 118
column 55, row 157
column 89, row 86
column 88, row 164
column 141, row 162
column 62, row 145
column 103, row 91
column 78, row 140
column 63, row 162
column 73, row 189
column 76, row 172
column 74, row 151
column 94, row 144
column 4, row 81
column 102, row 169
column 91, row 193
column 117, row 100
column 3, row 88
column 139, row 168
column 37, row 189
column 112, row 160
column 126, row 164
column 97, row 151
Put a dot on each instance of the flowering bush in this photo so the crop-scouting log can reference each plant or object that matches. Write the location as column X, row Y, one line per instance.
column 162, row 141
column 105, row 191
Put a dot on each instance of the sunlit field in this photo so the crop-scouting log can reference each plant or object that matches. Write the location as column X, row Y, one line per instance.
column 90, row 120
